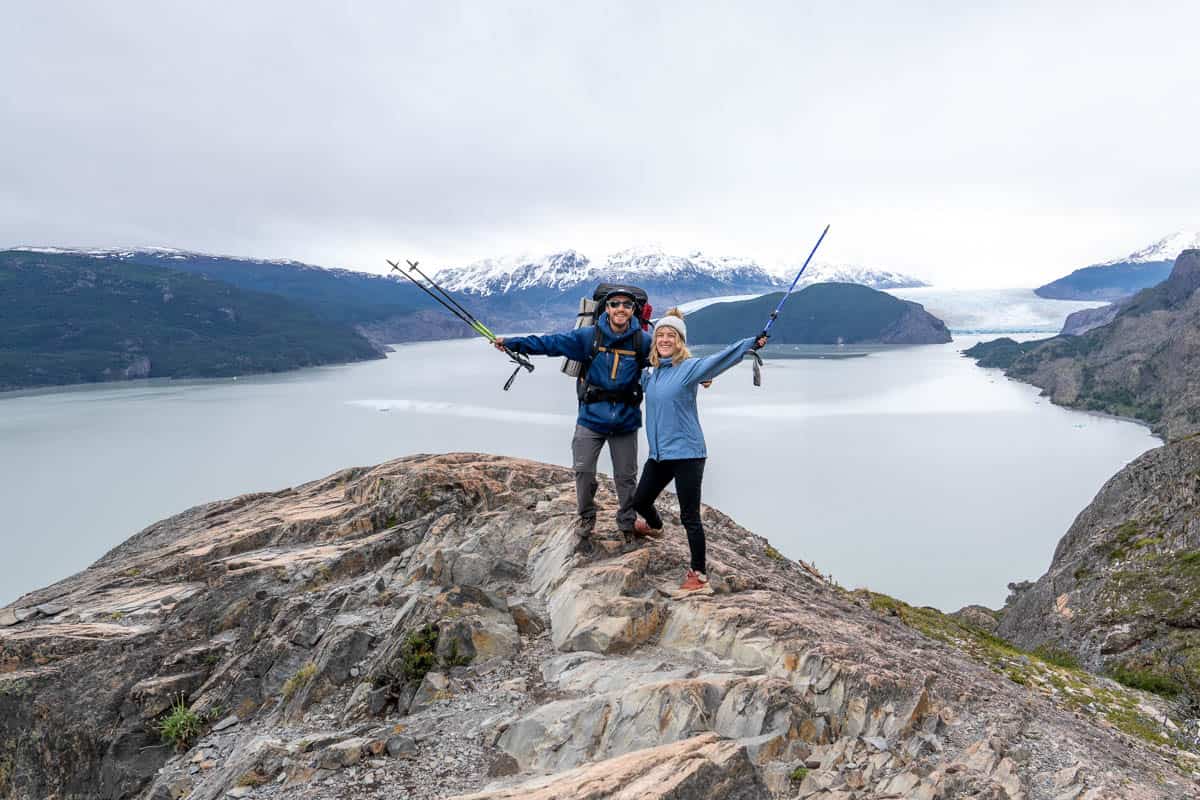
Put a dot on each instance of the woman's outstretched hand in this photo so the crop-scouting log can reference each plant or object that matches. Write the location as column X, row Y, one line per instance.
column 498, row 343
column 760, row 342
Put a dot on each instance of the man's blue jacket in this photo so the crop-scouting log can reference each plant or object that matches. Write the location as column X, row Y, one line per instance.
column 611, row 370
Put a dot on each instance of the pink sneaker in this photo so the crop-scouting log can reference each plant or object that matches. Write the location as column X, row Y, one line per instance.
column 642, row 528
column 694, row 582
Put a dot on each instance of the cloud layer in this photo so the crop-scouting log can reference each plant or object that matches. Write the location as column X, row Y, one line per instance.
column 971, row 146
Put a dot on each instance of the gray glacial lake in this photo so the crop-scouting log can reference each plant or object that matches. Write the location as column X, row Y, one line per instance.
column 910, row 470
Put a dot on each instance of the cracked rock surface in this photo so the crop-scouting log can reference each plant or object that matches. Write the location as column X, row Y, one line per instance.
column 426, row 629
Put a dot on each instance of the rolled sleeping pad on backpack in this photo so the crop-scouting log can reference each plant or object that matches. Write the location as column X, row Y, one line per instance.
column 586, row 316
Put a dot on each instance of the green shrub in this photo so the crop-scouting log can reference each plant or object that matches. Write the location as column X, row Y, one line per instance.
column 1056, row 656
column 181, row 726
column 1190, row 559
column 419, row 652
column 1145, row 679
column 798, row 774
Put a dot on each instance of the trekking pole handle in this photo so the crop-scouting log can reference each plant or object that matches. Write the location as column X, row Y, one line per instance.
column 520, row 359
column 513, row 355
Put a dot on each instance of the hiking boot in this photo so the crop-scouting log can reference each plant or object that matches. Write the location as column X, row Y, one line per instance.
column 585, row 527
column 642, row 528
column 694, row 582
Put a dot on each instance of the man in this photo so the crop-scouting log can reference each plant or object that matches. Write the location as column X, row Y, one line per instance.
column 613, row 351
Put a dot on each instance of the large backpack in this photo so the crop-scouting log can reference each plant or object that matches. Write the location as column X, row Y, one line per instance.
column 589, row 309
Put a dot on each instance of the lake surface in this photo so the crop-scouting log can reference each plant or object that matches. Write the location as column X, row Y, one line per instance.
column 910, row 470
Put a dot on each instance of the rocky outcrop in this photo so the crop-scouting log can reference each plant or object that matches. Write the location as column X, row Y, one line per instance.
column 1123, row 591
column 426, row 628
column 1142, row 364
column 700, row 767
column 1080, row 322
column 915, row 326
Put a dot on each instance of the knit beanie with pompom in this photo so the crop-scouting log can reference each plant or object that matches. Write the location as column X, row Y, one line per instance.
column 674, row 319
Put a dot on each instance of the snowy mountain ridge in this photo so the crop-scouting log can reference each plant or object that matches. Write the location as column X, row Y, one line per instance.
column 1165, row 249
column 570, row 268
column 163, row 253
column 819, row 272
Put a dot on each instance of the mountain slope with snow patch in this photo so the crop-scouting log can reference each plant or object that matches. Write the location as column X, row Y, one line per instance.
column 1121, row 277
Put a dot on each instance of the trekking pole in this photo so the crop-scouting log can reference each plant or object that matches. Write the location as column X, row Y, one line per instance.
column 457, row 309
column 442, row 302
column 518, row 358
column 766, row 331
column 479, row 326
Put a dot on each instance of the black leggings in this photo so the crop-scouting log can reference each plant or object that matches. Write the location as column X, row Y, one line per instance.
column 687, row 474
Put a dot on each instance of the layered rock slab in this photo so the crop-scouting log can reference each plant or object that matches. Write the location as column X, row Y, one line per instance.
column 360, row 627
column 700, row 768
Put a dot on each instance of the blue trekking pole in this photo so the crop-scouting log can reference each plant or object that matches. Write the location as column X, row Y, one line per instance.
column 766, row 331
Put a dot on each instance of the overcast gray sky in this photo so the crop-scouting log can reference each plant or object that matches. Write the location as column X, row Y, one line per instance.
column 970, row 144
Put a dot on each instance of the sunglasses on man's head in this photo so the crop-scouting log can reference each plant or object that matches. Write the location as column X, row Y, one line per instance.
column 620, row 304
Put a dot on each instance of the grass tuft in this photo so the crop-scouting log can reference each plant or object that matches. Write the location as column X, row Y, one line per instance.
column 299, row 680
column 181, row 726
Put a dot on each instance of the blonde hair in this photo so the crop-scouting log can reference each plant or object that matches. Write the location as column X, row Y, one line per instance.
column 681, row 353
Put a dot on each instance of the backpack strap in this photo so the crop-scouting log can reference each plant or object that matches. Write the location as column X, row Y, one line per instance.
column 631, row 395
column 643, row 353
column 581, row 382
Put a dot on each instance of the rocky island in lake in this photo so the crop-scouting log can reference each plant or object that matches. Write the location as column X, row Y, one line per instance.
column 823, row 313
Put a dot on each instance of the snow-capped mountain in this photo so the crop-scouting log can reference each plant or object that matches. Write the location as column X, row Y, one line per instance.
column 1121, row 277
column 514, row 273
column 849, row 273
column 1165, row 249
column 686, row 273
column 514, row 293
column 570, row 269
column 165, row 254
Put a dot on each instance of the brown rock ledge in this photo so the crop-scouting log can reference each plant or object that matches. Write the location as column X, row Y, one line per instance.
column 425, row 629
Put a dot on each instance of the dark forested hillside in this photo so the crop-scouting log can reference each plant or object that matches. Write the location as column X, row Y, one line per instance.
column 824, row 313
column 75, row 319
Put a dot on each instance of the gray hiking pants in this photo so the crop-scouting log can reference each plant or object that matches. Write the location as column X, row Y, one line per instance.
column 585, row 453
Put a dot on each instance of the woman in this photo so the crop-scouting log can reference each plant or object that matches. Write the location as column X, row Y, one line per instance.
column 677, row 449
